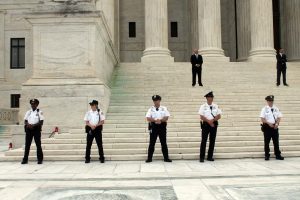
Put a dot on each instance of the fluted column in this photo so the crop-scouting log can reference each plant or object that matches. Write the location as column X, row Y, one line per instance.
column 262, row 33
column 194, row 24
column 156, row 31
column 291, row 28
column 2, row 49
column 210, row 38
column 243, row 29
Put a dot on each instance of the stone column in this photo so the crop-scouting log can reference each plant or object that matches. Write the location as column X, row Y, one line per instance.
column 108, row 8
column 2, row 49
column 262, row 33
column 243, row 29
column 194, row 25
column 291, row 28
column 156, row 32
column 210, row 40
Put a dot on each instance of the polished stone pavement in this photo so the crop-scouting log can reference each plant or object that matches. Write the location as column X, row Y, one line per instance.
column 246, row 179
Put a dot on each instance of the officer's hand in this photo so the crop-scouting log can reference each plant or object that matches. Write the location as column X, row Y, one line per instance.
column 276, row 126
column 271, row 125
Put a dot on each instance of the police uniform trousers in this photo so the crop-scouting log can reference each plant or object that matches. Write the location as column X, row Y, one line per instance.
column 36, row 134
column 212, row 132
column 159, row 130
column 271, row 133
column 283, row 71
column 97, row 134
column 195, row 71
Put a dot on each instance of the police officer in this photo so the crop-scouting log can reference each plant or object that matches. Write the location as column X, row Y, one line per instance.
column 209, row 115
column 270, row 117
column 94, row 120
column 34, row 120
column 157, row 116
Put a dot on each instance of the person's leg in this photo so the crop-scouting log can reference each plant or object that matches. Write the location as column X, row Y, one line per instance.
column 89, row 142
column 163, row 141
column 278, row 75
column 212, row 140
column 98, row 138
column 39, row 151
column 267, row 138
column 194, row 72
column 200, row 76
column 275, row 138
column 205, row 132
column 284, row 76
column 28, row 140
column 151, row 148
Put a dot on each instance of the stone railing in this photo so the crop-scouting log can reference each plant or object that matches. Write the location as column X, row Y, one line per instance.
column 8, row 116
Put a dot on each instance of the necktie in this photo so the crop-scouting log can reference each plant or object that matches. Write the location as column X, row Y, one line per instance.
column 211, row 112
column 273, row 114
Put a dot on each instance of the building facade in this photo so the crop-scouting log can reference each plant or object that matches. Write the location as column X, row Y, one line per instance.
column 64, row 51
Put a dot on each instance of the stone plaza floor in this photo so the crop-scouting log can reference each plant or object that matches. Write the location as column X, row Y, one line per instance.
column 246, row 179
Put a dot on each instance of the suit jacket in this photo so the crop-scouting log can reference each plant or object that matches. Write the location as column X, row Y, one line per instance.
column 195, row 61
column 281, row 61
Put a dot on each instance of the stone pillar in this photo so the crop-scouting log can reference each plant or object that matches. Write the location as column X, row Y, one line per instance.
column 2, row 49
column 108, row 8
column 210, row 40
column 156, row 32
column 262, row 33
column 243, row 29
column 291, row 29
column 194, row 25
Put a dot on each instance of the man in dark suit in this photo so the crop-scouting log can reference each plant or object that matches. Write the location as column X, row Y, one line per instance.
column 196, row 61
column 281, row 67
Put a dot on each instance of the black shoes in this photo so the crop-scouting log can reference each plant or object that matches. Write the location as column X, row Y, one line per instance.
column 40, row 162
column 102, row 160
column 279, row 157
column 148, row 160
column 193, row 85
column 211, row 159
column 287, row 85
column 201, row 160
column 87, row 161
column 277, row 85
column 24, row 162
column 267, row 157
column 200, row 84
column 167, row 160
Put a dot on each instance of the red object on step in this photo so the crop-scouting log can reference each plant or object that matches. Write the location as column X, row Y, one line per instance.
column 56, row 129
column 10, row 145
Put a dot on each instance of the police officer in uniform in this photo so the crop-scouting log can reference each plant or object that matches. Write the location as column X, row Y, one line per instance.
column 94, row 120
column 270, row 117
column 33, row 126
column 209, row 115
column 157, row 116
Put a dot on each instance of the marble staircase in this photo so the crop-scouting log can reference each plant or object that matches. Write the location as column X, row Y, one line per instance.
column 239, row 88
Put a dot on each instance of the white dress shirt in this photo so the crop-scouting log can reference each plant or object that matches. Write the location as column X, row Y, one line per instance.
column 34, row 117
column 207, row 112
column 94, row 117
column 268, row 115
column 158, row 113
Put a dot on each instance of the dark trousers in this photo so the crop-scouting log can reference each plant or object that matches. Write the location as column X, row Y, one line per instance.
column 161, row 132
column 270, row 133
column 97, row 134
column 283, row 71
column 195, row 71
column 212, row 132
column 36, row 134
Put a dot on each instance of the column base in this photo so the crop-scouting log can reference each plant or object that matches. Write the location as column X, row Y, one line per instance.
column 155, row 55
column 213, row 55
column 262, row 55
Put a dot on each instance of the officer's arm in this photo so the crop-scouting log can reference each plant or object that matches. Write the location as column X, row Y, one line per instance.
column 278, row 121
column 217, row 117
column 88, row 124
column 165, row 119
column 204, row 119
column 150, row 119
column 263, row 120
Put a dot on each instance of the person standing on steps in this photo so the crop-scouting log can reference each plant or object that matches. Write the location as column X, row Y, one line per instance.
column 209, row 116
column 196, row 61
column 94, row 120
column 281, row 67
column 34, row 120
column 270, row 117
column 157, row 116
